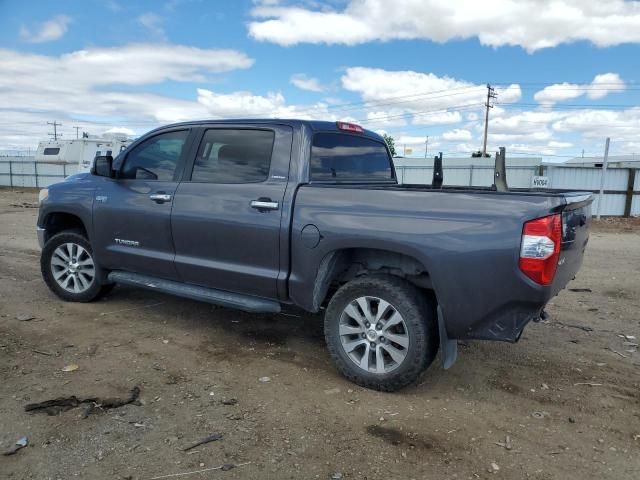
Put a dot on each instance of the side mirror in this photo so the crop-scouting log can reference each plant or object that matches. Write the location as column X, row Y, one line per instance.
column 102, row 166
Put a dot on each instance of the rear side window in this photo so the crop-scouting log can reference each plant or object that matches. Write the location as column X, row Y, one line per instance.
column 233, row 156
column 340, row 157
column 51, row 151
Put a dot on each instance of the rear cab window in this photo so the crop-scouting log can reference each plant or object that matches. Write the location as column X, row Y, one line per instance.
column 339, row 157
column 234, row 156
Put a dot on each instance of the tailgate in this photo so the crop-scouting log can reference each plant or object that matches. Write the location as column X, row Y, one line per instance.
column 576, row 221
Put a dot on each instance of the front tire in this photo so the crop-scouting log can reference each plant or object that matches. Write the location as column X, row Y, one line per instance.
column 69, row 269
column 381, row 332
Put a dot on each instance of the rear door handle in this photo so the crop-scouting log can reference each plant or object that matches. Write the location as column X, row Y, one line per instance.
column 264, row 204
column 160, row 197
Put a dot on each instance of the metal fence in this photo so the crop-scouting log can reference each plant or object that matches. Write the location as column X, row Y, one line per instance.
column 19, row 172
column 621, row 187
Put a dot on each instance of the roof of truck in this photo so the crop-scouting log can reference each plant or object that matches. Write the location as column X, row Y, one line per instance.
column 313, row 124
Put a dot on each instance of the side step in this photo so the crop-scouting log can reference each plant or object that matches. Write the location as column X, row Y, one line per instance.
column 218, row 297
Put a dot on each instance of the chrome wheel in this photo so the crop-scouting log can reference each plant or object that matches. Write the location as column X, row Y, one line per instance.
column 73, row 268
column 374, row 335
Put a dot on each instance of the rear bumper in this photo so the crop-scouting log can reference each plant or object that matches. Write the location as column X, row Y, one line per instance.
column 41, row 232
column 507, row 324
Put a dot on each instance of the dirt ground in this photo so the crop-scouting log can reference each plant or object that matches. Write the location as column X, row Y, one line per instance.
column 567, row 395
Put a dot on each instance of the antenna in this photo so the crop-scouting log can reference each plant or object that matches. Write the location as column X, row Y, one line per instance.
column 77, row 132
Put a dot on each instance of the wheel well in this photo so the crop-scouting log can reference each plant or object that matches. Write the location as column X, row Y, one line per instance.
column 338, row 267
column 58, row 222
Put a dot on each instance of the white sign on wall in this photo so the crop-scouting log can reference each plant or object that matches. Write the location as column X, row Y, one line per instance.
column 539, row 182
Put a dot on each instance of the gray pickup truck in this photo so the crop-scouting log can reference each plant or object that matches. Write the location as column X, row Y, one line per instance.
column 260, row 214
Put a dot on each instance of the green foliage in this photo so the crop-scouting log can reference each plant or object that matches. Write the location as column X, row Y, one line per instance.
column 390, row 143
column 478, row 154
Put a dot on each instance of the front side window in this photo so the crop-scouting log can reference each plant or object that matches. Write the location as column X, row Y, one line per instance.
column 155, row 158
column 233, row 156
column 340, row 157
column 51, row 151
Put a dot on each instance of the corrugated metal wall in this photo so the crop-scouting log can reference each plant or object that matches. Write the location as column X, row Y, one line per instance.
column 560, row 177
column 20, row 173
column 24, row 173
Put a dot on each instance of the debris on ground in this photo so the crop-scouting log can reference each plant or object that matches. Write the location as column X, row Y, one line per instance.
column 20, row 444
column 580, row 290
column 25, row 317
column 579, row 327
column 24, row 205
column 337, row 476
column 506, row 444
column 214, row 437
column 264, row 379
column 42, row 352
column 224, row 468
column 587, row 383
column 70, row 368
column 618, row 353
column 229, row 401
column 539, row 415
column 62, row 404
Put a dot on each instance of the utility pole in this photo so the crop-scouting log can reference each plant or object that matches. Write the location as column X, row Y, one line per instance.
column 55, row 133
column 426, row 147
column 491, row 93
column 604, row 173
column 77, row 132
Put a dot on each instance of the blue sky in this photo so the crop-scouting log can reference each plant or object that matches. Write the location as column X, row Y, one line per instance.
column 566, row 72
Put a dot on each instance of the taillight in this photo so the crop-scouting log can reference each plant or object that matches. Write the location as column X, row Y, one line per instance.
column 540, row 248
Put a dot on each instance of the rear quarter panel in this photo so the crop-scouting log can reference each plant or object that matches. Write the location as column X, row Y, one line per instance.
column 468, row 242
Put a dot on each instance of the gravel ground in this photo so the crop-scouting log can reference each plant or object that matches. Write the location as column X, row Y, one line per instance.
column 567, row 396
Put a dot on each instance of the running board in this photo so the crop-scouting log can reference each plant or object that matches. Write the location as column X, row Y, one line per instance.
column 218, row 297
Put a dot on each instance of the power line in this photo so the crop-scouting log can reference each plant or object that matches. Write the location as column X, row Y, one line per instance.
column 569, row 105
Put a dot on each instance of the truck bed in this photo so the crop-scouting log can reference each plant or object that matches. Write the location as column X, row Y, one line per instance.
column 467, row 239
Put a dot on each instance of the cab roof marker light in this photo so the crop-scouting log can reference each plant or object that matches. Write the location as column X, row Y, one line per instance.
column 350, row 127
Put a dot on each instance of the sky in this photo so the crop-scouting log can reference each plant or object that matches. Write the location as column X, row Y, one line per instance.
column 566, row 72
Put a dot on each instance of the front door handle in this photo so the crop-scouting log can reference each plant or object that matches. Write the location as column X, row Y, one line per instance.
column 263, row 204
column 160, row 197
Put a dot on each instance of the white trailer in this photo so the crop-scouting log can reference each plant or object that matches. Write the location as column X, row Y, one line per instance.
column 80, row 151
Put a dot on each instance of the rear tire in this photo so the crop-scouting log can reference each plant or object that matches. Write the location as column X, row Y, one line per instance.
column 68, row 268
column 381, row 332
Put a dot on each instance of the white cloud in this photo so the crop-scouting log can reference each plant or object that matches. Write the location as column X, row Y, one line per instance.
column 437, row 118
column 120, row 130
column 76, row 87
column 530, row 24
column 424, row 97
column 620, row 125
column 556, row 144
column 152, row 22
column 600, row 87
column 457, row 134
column 47, row 31
column 604, row 84
column 386, row 118
column 304, row 82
